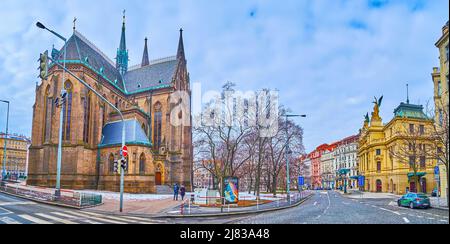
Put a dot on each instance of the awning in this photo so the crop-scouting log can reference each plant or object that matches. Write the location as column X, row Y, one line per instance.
column 419, row 174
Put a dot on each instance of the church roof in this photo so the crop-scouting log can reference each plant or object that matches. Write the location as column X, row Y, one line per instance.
column 406, row 110
column 134, row 134
column 158, row 74
column 80, row 50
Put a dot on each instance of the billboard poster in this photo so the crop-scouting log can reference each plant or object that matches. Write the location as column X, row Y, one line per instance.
column 231, row 190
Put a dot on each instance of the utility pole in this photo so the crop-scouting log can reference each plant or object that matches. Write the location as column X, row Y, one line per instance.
column 6, row 138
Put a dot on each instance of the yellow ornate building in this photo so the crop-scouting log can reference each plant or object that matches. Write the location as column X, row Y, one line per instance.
column 16, row 154
column 382, row 170
column 441, row 97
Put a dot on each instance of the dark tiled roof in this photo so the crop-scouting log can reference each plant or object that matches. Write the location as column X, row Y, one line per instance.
column 155, row 75
column 410, row 111
column 134, row 134
column 79, row 48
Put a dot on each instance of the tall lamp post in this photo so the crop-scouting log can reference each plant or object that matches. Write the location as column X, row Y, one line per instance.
column 6, row 138
column 288, row 151
column 61, row 114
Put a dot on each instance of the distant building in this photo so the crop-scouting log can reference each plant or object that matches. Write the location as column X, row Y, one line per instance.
column 346, row 158
column 328, row 172
column 16, row 154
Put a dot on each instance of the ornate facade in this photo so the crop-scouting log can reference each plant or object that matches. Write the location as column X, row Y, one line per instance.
column 159, row 152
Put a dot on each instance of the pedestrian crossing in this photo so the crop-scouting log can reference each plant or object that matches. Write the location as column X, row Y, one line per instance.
column 75, row 217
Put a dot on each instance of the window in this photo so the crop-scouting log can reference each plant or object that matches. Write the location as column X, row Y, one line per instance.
column 439, row 88
column 48, row 115
column 111, row 163
column 441, row 117
column 87, row 118
column 378, row 152
column 422, row 129
column 67, row 111
column 422, row 162
column 378, row 166
column 142, row 164
column 157, row 124
column 411, row 128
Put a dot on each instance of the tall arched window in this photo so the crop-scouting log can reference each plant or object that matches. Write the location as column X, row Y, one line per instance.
column 111, row 163
column 48, row 103
column 142, row 164
column 87, row 117
column 157, row 126
column 67, row 111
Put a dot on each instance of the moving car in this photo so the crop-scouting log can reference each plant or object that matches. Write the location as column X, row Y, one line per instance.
column 414, row 200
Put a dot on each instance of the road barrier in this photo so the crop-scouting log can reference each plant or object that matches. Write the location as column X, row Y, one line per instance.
column 69, row 198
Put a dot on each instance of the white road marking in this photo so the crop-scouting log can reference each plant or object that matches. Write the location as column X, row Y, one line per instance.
column 64, row 221
column 8, row 220
column 16, row 203
column 95, row 218
column 397, row 213
column 77, row 218
column 118, row 218
column 34, row 220
column 406, row 220
column 442, row 220
column 4, row 211
column 144, row 219
column 315, row 203
column 430, row 218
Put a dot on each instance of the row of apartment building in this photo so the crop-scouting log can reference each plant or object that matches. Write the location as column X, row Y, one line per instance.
column 16, row 154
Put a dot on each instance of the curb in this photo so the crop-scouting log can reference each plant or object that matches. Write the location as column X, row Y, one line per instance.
column 236, row 213
column 46, row 202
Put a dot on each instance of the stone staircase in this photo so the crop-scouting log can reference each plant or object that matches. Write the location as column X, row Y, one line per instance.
column 164, row 189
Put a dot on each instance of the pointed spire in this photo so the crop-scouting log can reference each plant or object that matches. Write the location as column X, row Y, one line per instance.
column 74, row 24
column 180, row 52
column 123, row 44
column 407, row 93
column 145, row 60
column 122, row 52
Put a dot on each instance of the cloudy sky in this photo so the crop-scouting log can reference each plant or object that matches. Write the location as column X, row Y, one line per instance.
column 328, row 58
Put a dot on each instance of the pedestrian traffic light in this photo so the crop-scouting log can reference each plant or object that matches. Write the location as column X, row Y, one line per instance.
column 124, row 165
column 43, row 65
column 116, row 166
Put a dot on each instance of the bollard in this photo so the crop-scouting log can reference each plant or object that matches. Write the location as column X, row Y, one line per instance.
column 189, row 202
column 182, row 209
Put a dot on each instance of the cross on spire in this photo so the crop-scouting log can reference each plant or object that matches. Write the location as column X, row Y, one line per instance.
column 74, row 23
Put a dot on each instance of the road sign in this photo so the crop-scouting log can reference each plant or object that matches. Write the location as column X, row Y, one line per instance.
column 361, row 181
column 124, row 151
column 436, row 170
column 301, row 181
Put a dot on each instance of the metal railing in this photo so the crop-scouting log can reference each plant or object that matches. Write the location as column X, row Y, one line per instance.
column 70, row 198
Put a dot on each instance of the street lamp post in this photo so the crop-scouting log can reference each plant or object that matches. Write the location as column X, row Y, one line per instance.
column 288, row 178
column 98, row 95
column 61, row 114
column 6, row 138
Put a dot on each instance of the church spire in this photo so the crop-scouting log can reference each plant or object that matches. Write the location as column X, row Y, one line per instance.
column 145, row 60
column 180, row 52
column 122, row 52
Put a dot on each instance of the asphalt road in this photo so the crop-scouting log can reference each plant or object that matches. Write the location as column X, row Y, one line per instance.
column 333, row 208
column 19, row 211
column 322, row 208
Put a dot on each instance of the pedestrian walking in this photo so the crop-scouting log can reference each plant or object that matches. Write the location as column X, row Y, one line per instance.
column 176, row 189
column 182, row 192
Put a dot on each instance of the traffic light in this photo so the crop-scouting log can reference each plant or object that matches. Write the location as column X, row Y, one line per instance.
column 116, row 166
column 43, row 65
column 124, row 165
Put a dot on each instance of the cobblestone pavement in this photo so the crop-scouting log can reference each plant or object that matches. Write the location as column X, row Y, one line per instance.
column 333, row 208
column 18, row 211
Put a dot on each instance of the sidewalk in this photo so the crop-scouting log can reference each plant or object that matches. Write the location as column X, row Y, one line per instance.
column 190, row 210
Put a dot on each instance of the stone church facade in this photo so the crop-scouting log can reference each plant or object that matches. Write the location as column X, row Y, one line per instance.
column 159, row 152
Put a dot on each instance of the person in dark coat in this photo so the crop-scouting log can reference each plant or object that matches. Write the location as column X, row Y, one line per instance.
column 176, row 189
column 182, row 192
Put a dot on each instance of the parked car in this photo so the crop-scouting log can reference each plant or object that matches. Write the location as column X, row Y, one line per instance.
column 434, row 193
column 414, row 200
